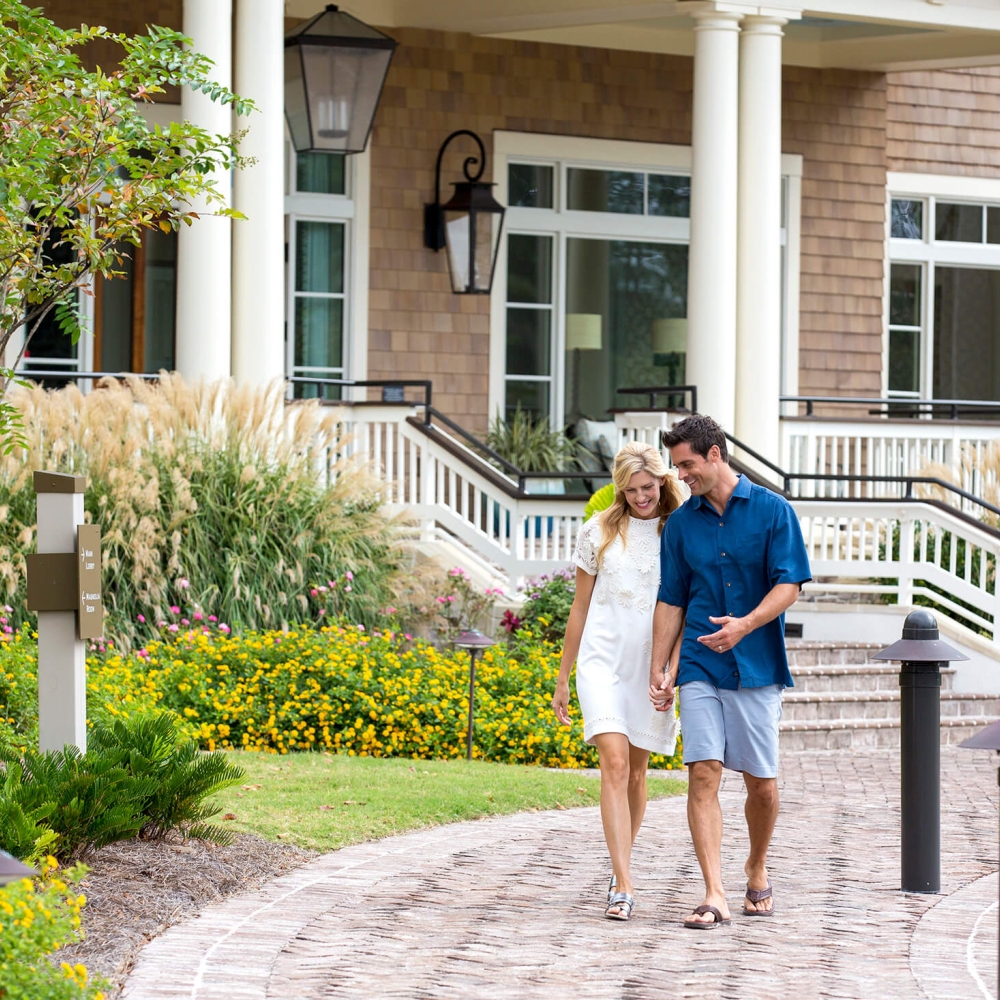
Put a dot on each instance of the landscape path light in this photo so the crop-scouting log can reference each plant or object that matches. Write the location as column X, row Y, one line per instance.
column 473, row 640
column 335, row 68
column 988, row 738
column 11, row 869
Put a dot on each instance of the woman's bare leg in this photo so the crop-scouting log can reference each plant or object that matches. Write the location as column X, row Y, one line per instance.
column 613, row 751
column 638, row 762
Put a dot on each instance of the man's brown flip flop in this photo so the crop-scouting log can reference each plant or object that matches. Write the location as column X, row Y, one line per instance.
column 702, row 925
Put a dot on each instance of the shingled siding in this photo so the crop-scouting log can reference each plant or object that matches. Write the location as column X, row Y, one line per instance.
column 944, row 122
column 440, row 82
column 836, row 120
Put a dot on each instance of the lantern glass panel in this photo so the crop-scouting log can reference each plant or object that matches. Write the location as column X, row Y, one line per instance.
column 342, row 85
column 295, row 100
column 472, row 237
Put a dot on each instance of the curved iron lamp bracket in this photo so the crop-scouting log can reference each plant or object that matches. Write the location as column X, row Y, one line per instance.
column 434, row 237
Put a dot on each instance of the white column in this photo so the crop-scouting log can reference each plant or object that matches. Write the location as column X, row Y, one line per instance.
column 204, row 250
column 711, row 307
column 62, row 657
column 258, row 192
column 758, row 311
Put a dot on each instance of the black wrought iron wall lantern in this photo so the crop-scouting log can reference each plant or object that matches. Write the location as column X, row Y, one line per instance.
column 469, row 225
column 335, row 67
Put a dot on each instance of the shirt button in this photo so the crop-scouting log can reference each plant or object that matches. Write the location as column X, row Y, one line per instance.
column 723, row 553
column 728, row 584
column 721, row 523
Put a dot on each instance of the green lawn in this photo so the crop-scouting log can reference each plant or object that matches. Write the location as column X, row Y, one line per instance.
column 323, row 801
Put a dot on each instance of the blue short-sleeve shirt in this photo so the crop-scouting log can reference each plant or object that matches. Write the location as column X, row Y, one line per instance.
column 725, row 564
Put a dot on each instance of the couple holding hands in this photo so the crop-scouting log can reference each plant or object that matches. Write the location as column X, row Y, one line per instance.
column 686, row 596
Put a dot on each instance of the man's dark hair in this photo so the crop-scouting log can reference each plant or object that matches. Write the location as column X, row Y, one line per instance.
column 699, row 433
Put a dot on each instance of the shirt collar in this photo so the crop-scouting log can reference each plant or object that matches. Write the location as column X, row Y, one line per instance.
column 742, row 490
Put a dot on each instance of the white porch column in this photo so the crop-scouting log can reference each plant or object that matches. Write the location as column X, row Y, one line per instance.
column 758, row 312
column 204, row 250
column 258, row 192
column 711, row 305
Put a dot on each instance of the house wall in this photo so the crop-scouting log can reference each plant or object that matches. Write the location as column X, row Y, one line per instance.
column 944, row 122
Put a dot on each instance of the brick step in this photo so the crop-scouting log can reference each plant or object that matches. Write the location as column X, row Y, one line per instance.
column 810, row 706
column 812, row 653
column 858, row 678
column 857, row 734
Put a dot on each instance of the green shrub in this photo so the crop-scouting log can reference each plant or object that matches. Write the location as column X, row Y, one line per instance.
column 529, row 444
column 180, row 778
column 37, row 917
column 546, row 608
column 138, row 778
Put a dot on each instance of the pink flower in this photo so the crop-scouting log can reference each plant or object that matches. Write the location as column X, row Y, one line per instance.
column 197, row 616
column 361, row 628
column 174, row 610
column 212, row 618
column 389, row 610
column 8, row 608
column 184, row 621
column 223, row 627
column 406, row 635
column 313, row 592
column 141, row 618
column 348, row 589
column 160, row 624
column 441, row 600
column 322, row 611
column 183, row 584
column 143, row 653
column 172, row 628
column 7, row 630
column 349, row 575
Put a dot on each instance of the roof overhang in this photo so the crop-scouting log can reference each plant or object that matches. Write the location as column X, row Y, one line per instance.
column 905, row 34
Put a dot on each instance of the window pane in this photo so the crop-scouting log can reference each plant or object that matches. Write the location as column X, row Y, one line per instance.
column 161, row 284
column 319, row 328
column 993, row 224
column 966, row 333
column 529, row 186
column 904, row 295
column 669, row 195
column 319, row 257
column 907, row 219
column 116, row 316
column 959, row 223
column 529, row 338
column 633, row 287
column 321, row 173
column 604, row 191
column 532, row 397
column 529, row 268
column 904, row 360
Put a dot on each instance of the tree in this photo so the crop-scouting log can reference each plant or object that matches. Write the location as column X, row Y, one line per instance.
column 81, row 173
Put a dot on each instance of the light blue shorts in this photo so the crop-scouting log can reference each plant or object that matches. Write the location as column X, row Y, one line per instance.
column 739, row 727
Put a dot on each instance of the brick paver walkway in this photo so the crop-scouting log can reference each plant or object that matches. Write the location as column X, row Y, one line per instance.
column 512, row 908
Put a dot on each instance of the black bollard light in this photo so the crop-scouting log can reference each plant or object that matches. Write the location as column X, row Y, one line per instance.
column 922, row 654
column 472, row 640
column 988, row 738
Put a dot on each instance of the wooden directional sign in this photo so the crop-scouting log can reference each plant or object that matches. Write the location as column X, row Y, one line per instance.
column 90, row 609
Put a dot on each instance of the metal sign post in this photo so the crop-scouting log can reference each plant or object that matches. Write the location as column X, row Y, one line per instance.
column 64, row 587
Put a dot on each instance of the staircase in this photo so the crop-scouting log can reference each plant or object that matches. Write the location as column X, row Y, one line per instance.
column 842, row 700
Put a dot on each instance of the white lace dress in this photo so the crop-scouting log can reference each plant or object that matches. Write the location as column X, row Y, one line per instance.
column 612, row 667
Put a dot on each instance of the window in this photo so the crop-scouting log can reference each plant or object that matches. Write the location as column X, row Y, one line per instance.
column 943, row 311
column 594, row 274
column 327, row 264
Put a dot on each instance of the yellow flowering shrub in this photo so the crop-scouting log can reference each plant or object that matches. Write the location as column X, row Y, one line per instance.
column 345, row 690
column 37, row 917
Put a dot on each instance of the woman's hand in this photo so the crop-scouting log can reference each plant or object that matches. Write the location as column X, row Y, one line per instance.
column 560, row 702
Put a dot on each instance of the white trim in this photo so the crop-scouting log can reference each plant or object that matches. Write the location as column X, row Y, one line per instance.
column 791, row 167
column 943, row 186
column 360, row 251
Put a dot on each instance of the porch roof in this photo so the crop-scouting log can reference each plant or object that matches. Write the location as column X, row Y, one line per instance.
column 904, row 34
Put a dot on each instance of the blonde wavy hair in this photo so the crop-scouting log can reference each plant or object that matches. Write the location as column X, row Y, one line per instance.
column 632, row 458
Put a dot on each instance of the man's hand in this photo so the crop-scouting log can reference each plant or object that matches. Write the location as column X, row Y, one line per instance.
column 661, row 690
column 733, row 629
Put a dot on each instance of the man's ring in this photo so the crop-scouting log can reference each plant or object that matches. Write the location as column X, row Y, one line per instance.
column 720, row 649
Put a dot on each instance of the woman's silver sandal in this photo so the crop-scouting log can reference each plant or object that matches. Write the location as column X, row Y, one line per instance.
column 623, row 903
column 612, row 885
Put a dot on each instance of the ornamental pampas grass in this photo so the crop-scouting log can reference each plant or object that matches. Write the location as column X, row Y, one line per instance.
column 224, row 487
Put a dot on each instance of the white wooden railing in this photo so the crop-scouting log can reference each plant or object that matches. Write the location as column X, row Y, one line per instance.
column 902, row 549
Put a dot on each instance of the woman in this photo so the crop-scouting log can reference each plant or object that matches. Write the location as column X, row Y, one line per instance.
column 609, row 637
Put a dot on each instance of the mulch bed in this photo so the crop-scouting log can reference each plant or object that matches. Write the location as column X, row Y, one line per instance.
column 136, row 890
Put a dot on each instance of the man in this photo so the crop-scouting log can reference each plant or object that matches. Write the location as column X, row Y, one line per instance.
column 732, row 561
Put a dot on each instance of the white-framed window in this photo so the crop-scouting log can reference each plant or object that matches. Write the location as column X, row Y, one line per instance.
column 590, row 291
column 942, row 301
column 326, row 236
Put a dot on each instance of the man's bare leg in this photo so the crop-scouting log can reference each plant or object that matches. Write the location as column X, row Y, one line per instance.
column 705, row 821
column 762, row 812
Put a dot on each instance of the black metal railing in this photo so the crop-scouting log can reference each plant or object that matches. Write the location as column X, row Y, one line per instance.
column 895, row 406
column 656, row 391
